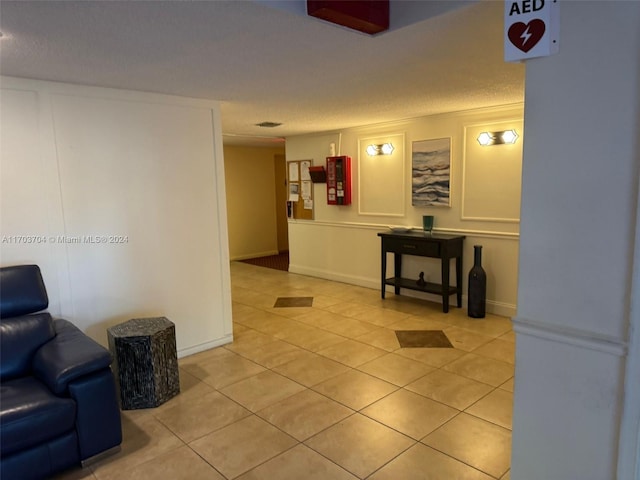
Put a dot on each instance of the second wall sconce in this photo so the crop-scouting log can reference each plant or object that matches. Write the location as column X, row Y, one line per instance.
column 380, row 149
column 497, row 138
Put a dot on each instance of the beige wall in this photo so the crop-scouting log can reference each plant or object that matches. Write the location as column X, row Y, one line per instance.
column 119, row 197
column 251, row 201
column 341, row 243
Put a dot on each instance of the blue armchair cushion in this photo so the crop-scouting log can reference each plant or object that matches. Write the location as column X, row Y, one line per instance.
column 70, row 355
column 31, row 414
column 20, row 338
column 23, row 291
column 58, row 402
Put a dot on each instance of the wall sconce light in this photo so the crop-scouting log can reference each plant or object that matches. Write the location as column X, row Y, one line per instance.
column 380, row 149
column 497, row 138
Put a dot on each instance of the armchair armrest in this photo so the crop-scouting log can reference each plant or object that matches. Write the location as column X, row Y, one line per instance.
column 68, row 356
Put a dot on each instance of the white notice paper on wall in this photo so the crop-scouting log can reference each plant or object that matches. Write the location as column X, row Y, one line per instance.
column 304, row 170
column 293, row 172
column 294, row 192
column 306, row 190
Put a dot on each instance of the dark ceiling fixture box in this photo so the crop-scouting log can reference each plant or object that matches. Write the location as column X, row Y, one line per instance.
column 318, row 174
column 367, row 16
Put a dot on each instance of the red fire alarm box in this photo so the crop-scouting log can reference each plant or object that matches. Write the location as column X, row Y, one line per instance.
column 339, row 180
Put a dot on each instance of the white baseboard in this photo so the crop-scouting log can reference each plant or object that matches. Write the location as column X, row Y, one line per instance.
column 496, row 308
column 185, row 352
column 336, row 277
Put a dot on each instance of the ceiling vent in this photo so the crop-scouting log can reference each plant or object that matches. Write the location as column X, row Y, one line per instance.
column 268, row 124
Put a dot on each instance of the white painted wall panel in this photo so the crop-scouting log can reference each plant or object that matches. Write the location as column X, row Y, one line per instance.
column 580, row 171
column 381, row 178
column 140, row 219
column 567, row 428
column 342, row 243
column 579, row 210
column 29, row 197
column 491, row 175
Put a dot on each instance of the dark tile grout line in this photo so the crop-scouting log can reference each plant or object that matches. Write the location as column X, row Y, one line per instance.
column 493, row 337
column 354, row 412
column 494, row 388
column 360, row 411
column 356, row 339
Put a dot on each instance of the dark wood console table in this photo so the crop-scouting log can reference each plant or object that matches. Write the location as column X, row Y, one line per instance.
column 418, row 243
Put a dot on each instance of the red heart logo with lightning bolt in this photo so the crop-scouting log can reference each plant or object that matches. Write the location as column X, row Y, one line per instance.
column 525, row 36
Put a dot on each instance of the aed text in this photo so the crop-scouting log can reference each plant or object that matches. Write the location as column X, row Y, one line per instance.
column 526, row 6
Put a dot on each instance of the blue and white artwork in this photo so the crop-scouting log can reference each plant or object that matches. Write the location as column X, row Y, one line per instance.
column 431, row 172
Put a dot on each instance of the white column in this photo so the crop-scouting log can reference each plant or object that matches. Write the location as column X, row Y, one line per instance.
column 579, row 203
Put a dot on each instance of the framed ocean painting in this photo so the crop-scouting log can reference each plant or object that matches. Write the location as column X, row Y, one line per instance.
column 431, row 173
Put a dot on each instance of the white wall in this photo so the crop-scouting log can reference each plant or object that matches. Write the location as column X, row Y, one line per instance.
column 145, row 172
column 579, row 208
column 341, row 243
column 251, row 201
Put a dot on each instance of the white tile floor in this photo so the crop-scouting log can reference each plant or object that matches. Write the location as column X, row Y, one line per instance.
column 325, row 392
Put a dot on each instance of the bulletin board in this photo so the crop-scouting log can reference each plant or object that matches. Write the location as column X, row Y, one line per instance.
column 300, row 190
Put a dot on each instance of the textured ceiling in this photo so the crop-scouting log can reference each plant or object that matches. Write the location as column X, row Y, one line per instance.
column 268, row 61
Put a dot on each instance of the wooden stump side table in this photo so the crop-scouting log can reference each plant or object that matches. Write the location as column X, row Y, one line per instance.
column 145, row 361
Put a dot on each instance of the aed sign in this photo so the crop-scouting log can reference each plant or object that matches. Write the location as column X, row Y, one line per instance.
column 531, row 29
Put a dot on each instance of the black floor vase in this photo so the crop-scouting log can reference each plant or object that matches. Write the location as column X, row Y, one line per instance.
column 477, row 286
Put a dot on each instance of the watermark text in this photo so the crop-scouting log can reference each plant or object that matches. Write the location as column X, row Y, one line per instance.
column 64, row 239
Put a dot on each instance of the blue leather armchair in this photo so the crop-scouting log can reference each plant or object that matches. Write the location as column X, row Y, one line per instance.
column 58, row 403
